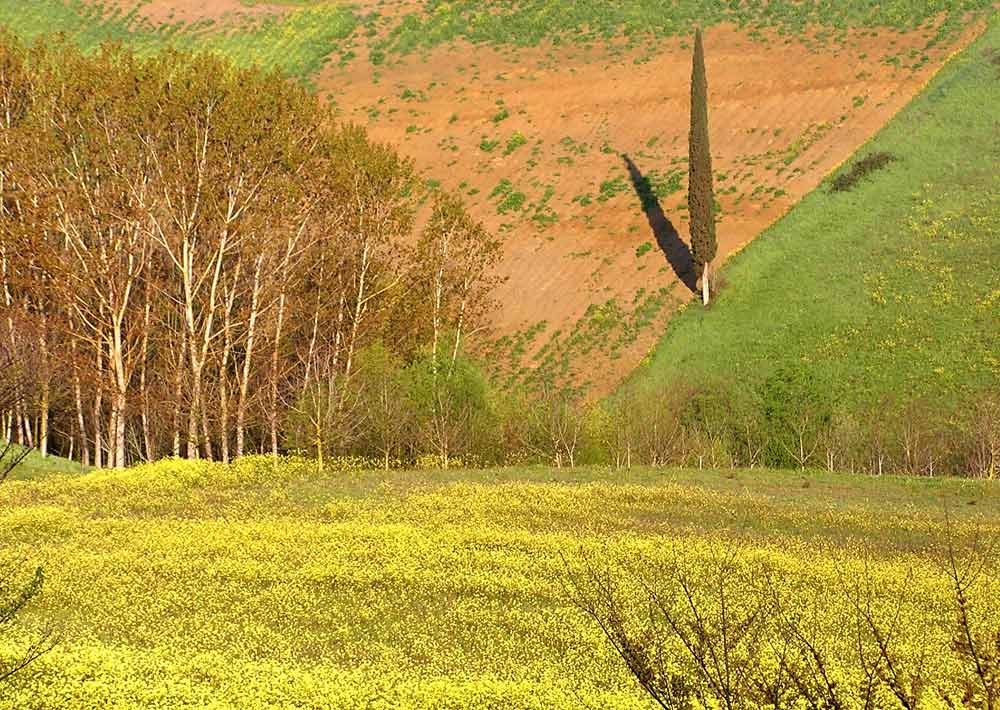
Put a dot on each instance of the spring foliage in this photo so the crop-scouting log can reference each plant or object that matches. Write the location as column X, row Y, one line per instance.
column 195, row 250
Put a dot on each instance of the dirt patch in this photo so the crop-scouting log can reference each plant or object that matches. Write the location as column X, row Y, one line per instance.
column 536, row 139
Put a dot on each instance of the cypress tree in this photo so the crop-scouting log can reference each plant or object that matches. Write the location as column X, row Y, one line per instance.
column 701, row 200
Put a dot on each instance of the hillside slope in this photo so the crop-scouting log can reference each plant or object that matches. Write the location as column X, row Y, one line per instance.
column 34, row 467
column 564, row 125
column 881, row 296
column 577, row 157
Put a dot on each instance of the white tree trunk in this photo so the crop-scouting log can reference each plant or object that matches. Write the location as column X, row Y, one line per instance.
column 43, row 425
column 273, row 414
column 241, row 405
column 80, row 420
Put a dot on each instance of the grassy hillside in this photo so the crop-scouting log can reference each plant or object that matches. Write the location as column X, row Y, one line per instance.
column 188, row 584
column 299, row 38
column 297, row 45
column 35, row 467
column 889, row 290
column 529, row 22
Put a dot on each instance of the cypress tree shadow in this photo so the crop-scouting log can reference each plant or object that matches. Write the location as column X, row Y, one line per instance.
column 677, row 253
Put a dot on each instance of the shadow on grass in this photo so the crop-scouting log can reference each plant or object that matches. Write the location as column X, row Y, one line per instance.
column 677, row 253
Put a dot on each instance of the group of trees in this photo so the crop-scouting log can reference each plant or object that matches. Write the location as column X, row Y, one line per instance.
column 791, row 420
column 194, row 254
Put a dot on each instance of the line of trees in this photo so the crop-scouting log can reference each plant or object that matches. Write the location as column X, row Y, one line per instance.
column 792, row 419
column 789, row 421
column 192, row 254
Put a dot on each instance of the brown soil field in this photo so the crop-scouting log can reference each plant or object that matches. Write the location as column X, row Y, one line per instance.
column 549, row 144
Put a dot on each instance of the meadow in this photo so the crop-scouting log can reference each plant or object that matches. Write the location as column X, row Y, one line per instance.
column 263, row 584
column 530, row 22
column 296, row 45
column 192, row 584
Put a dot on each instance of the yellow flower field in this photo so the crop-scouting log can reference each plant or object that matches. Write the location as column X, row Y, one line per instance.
column 190, row 584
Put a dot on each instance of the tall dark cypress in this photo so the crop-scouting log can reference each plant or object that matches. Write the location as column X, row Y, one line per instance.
column 701, row 199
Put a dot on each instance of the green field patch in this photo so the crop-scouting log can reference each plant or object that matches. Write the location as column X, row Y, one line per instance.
column 530, row 22
column 296, row 44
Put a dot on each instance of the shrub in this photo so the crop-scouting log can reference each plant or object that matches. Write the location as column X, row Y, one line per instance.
column 740, row 629
column 515, row 142
column 861, row 169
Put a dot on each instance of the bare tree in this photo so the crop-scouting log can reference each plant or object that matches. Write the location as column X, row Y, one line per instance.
column 555, row 423
column 977, row 649
column 725, row 632
column 985, row 431
column 15, row 593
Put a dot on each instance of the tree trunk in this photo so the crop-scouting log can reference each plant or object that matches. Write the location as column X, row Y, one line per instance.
column 704, row 287
column 112, row 432
column 9, row 302
column 119, row 432
column 192, row 430
column 18, row 424
column 227, row 345
column 359, row 310
column 318, row 427
column 273, row 414
column 147, row 440
column 178, row 385
column 43, row 423
column 458, row 326
column 206, row 433
column 241, row 405
column 29, row 439
column 80, row 421
column 223, row 419
column 99, row 412
column 43, row 415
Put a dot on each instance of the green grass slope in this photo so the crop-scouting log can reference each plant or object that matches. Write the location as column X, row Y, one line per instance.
column 530, row 22
column 297, row 45
column 890, row 290
column 35, row 467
